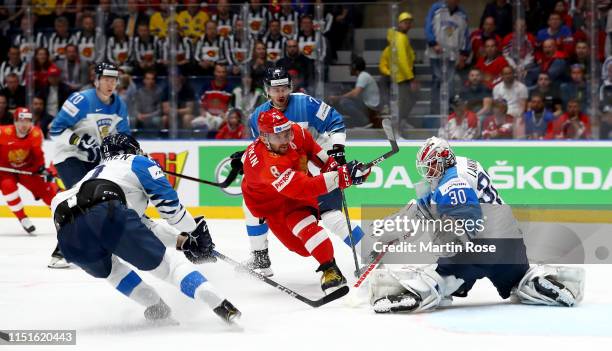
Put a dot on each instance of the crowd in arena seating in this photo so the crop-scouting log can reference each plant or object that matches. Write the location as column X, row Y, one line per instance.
column 527, row 77
column 221, row 59
column 533, row 82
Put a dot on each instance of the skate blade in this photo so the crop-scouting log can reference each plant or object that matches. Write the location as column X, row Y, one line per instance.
column 334, row 288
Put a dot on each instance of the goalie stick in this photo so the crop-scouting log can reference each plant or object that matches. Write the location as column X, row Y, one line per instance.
column 313, row 303
column 388, row 129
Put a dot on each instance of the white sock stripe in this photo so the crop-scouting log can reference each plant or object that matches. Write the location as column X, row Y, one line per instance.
column 259, row 242
column 17, row 207
column 12, row 196
column 316, row 240
column 303, row 224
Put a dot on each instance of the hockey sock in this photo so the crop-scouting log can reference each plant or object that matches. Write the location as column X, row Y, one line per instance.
column 129, row 283
column 335, row 222
column 183, row 274
column 315, row 239
column 258, row 236
column 15, row 205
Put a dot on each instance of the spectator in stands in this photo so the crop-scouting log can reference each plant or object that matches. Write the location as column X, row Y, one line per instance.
column 337, row 24
column 491, row 64
column 184, row 54
column 404, row 76
column 274, row 41
column 447, row 34
column 551, row 61
column 538, row 119
column 85, row 40
column 247, row 96
column 481, row 35
column 14, row 92
column 71, row 10
column 224, row 18
column 606, row 69
column 499, row 124
column 191, row 20
column 259, row 64
column 158, row 23
column 559, row 33
column 581, row 56
column 74, row 72
column 501, row 12
column 289, row 19
column 59, row 39
column 573, row 124
column 184, row 101
column 144, row 48
column 605, row 103
column 238, row 51
column 551, row 96
column 133, row 18
column 147, row 101
column 42, row 64
column 91, row 70
column 299, row 66
column 360, row 105
column 126, row 89
column 476, row 94
column 257, row 19
column 21, row 40
column 513, row 92
column 561, row 7
column 5, row 116
column 307, row 40
column 13, row 64
column 233, row 128
column 40, row 116
column 54, row 93
column 118, row 48
column 210, row 49
column 523, row 60
column 45, row 13
column 462, row 123
column 215, row 100
column 577, row 88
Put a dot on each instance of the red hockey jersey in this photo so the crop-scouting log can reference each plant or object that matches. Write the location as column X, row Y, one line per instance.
column 21, row 153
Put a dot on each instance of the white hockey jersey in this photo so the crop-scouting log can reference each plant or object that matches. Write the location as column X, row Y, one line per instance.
column 142, row 180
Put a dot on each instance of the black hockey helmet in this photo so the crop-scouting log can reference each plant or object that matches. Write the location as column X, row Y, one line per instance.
column 277, row 76
column 107, row 69
column 120, row 144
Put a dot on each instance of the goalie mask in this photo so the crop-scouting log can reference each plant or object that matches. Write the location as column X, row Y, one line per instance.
column 434, row 157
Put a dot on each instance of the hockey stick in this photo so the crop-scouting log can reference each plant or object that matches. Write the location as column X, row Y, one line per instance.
column 388, row 129
column 224, row 184
column 350, row 232
column 313, row 303
column 17, row 171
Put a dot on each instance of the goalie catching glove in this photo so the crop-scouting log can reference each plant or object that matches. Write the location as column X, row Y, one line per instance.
column 198, row 245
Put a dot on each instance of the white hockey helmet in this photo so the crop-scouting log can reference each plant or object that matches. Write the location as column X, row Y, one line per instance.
column 434, row 157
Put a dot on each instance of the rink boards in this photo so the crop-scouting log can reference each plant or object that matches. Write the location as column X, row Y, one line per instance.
column 569, row 180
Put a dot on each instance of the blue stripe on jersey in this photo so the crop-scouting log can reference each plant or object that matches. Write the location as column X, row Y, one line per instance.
column 257, row 230
column 191, row 282
column 158, row 187
column 129, row 283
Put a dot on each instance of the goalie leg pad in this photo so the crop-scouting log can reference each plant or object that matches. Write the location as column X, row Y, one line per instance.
column 551, row 286
column 429, row 288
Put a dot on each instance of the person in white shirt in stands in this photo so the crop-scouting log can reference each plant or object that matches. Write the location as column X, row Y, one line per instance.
column 360, row 105
column 513, row 91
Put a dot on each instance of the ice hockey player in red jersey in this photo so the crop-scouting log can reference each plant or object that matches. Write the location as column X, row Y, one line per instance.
column 21, row 150
column 278, row 187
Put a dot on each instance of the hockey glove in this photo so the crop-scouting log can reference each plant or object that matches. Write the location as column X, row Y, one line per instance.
column 198, row 246
column 330, row 165
column 351, row 174
column 236, row 163
column 337, row 152
column 45, row 174
column 88, row 144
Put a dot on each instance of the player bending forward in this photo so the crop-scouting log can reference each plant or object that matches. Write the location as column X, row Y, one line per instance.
column 461, row 190
column 21, row 150
column 99, row 221
column 278, row 187
column 326, row 126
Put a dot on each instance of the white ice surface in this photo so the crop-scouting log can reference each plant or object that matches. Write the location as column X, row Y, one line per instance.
column 35, row 297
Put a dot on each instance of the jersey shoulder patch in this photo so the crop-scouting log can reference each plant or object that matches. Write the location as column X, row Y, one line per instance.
column 323, row 111
column 70, row 108
column 156, row 172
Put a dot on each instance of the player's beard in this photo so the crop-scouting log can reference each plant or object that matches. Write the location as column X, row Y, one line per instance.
column 280, row 149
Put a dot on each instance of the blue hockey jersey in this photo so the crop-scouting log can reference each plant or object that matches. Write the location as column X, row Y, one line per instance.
column 84, row 113
column 324, row 123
